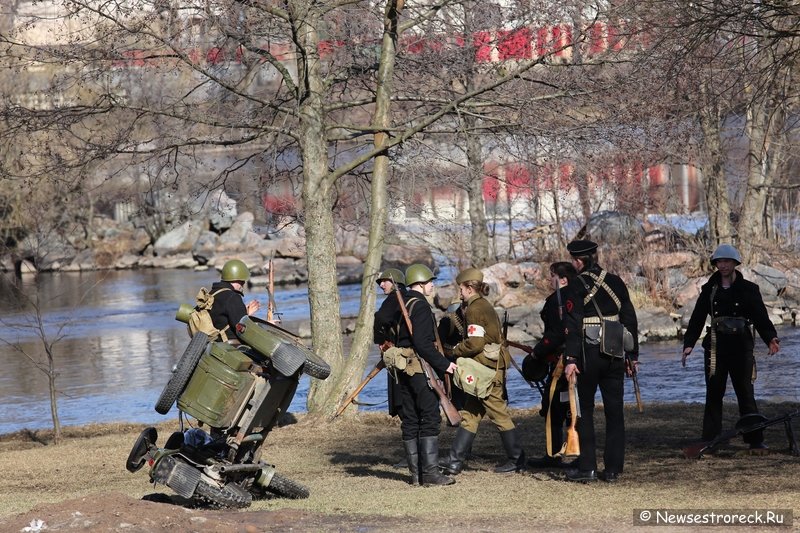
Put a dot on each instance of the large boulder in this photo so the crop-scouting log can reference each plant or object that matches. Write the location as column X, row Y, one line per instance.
column 656, row 323
column 771, row 282
column 180, row 240
column 236, row 236
column 612, row 227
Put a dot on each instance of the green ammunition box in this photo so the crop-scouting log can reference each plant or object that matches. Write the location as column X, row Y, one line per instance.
column 218, row 387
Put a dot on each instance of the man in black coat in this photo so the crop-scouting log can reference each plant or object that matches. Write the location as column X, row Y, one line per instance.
column 597, row 296
column 420, row 420
column 228, row 307
column 384, row 330
column 735, row 307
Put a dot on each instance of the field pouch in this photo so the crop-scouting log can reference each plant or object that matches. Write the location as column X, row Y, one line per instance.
column 612, row 341
column 473, row 377
column 730, row 325
column 491, row 351
column 397, row 358
column 627, row 340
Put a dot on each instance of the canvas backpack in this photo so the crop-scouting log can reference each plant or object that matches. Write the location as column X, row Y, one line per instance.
column 200, row 318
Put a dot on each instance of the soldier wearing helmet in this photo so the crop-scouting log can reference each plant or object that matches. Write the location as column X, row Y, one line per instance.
column 420, row 420
column 483, row 333
column 229, row 307
column 384, row 332
column 735, row 307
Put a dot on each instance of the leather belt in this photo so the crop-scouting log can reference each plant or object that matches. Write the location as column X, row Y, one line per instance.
column 596, row 320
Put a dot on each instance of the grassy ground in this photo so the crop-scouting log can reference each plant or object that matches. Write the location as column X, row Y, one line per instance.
column 348, row 467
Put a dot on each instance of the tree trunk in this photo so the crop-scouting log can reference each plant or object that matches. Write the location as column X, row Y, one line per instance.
column 318, row 200
column 760, row 176
column 479, row 250
column 352, row 374
column 51, row 382
column 716, row 188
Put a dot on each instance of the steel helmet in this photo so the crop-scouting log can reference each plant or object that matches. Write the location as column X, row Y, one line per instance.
column 418, row 274
column 469, row 274
column 235, row 270
column 395, row 275
column 726, row 251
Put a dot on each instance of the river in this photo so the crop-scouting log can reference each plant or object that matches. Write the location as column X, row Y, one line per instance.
column 118, row 341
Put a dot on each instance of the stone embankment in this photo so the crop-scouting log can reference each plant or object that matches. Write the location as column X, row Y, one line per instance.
column 664, row 285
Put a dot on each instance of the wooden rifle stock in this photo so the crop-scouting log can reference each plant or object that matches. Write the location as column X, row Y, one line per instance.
column 374, row 372
column 572, row 448
column 450, row 411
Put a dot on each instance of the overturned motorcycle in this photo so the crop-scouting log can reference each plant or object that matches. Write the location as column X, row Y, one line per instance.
column 239, row 392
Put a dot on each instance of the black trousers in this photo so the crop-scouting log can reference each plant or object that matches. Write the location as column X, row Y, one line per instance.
column 738, row 364
column 419, row 416
column 608, row 374
column 558, row 412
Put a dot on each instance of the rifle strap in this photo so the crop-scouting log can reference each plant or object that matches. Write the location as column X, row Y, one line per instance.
column 553, row 386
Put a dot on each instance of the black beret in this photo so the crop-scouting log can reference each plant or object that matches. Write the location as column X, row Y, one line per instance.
column 580, row 248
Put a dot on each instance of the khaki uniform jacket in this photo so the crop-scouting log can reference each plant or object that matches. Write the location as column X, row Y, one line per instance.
column 479, row 312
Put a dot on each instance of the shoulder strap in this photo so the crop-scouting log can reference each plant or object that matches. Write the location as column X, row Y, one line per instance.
column 219, row 291
column 590, row 297
column 599, row 282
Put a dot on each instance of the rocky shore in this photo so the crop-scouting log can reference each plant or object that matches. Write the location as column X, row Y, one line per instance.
column 664, row 283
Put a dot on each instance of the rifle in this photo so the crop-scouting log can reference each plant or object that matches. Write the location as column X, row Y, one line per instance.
column 635, row 377
column 450, row 411
column 572, row 447
column 695, row 451
column 524, row 347
column 374, row 372
column 271, row 290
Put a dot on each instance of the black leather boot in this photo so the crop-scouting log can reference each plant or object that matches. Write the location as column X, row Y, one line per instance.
column 412, row 459
column 429, row 459
column 462, row 443
column 515, row 453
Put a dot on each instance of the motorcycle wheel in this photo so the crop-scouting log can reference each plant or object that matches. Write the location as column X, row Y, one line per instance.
column 229, row 496
column 183, row 371
column 136, row 458
column 316, row 367
column 287, row 488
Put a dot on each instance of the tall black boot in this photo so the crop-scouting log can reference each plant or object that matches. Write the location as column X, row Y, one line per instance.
column 515, row 453
column 429, row 458
column 462, row 443
column 412, row 459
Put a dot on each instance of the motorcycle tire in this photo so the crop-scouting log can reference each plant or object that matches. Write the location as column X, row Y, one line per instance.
column 183, row 371
column 229, row 496
column 287, row 488
column 136, row 458
column 316, row 367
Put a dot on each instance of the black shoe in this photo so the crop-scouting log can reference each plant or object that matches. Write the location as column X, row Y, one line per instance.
column 610, row 477
column 759, row 448
column 544, row 462
column 581, row 476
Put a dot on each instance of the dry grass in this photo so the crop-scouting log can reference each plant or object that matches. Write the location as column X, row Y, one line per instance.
column 347, row 466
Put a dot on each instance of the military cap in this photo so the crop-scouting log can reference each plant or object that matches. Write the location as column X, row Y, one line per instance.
column 581, row 248
column 469, row 274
